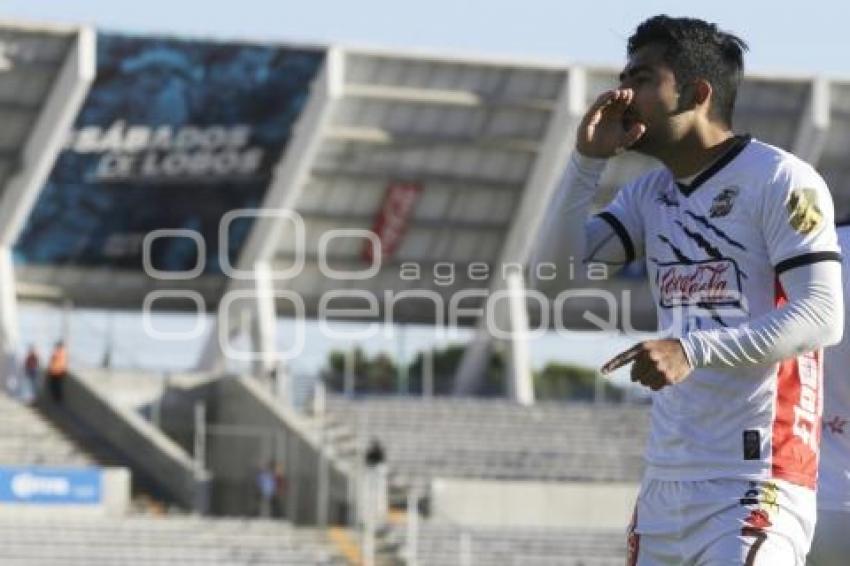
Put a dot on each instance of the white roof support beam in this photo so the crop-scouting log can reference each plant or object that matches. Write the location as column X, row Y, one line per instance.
column 381, row 137
column 511, row 314
column 461, row 98
column 813, row 129
column 47, row 136
column 293, row 170
column 9, row 338
column 290, row 176
column 383, row 176
column 264, row 322
column 36, row 159
column 435, row 224
column 519, row 378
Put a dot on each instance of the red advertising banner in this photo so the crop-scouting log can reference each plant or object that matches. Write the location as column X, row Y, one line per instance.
column 393, row 219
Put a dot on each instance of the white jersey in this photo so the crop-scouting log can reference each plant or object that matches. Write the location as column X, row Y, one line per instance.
column 714, row 250
column 834, row 479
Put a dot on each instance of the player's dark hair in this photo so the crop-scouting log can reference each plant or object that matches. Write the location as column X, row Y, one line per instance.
column 695, row 49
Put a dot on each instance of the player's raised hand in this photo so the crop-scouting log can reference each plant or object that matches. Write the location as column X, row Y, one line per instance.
column 657, row 363
column 603, row 132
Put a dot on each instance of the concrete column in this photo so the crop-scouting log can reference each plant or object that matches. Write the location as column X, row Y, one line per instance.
column 8, row 315
column 813, row 129
column 520, row 383
column 428, row 373
column 537, row 195
column 264, row 323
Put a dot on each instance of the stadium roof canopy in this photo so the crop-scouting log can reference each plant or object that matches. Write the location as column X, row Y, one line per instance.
column 448, row 162
column 442, row 166
column 44, row 74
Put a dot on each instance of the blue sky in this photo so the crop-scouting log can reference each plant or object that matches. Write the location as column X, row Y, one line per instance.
column 809, row 38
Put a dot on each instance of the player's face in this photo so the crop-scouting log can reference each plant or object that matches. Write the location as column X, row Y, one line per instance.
column 656, row 101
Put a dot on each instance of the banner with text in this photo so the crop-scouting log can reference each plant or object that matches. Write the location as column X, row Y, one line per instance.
column 173, row 134
column 56, row 486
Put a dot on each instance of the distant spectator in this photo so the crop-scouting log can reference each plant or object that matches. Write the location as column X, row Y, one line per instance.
column 375, row 454
column 266, row 488
column 280, row 491
column 374, row 490
column 57, row 370
column 32, row 363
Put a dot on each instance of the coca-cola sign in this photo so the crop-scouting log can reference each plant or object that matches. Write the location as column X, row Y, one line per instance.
column 704, row 283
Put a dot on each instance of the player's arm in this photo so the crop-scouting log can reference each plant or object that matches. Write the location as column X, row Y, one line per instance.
column 568, row 236
column 813, row 318
column 798, row 226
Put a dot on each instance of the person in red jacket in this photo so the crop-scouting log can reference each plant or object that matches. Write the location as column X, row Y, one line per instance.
column 57, row 369
column 32, row 363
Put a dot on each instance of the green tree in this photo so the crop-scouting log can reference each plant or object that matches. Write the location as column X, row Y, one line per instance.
column 446, row 362
column 371, row 375
column 563, row 382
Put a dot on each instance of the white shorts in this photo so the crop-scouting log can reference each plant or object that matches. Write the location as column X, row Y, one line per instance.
column 831, row 546
column 721, row 522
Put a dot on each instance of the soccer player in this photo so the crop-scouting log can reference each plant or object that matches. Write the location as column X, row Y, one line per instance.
column 831, row 546
column 744, row 265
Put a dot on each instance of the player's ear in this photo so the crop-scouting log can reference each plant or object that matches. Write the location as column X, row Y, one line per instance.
column 701, row 93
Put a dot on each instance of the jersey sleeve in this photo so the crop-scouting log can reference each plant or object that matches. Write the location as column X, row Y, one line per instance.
column 625, row 216
column 798, row 218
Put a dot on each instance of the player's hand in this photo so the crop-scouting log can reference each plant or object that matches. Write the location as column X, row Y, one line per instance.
column 657, row 363
column 602, row 132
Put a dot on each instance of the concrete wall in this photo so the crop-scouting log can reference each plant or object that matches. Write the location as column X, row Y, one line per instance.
column 246, row 429
column 144, row 446
column 538, row 504
column 177, row 411
column 115, row 501
column 243, row 402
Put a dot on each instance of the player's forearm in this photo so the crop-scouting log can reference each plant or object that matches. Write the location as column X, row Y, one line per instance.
column 813, row 318
column 565, row 237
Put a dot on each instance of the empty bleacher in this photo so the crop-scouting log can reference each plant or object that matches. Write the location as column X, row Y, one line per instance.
column 162, row 541
column 28, row 438
column 496, row 439
column 443, row 545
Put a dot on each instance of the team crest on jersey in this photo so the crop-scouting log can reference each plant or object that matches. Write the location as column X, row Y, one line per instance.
column 722, row 203
column 804, row 215
column 706, row 284
column 765, row 497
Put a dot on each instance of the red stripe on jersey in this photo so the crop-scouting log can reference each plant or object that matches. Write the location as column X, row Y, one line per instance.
column 632, row 541
column 797, row 419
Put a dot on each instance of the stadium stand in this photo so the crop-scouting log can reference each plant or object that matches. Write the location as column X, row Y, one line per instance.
column 495, row 439
column 440, row 545
column 29, row 438
column 165, row 541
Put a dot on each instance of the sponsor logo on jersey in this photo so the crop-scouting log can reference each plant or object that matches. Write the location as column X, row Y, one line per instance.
column 722, row 203
column 804, row 215
column 764, row 496
column 706, row 284
column 806, row 409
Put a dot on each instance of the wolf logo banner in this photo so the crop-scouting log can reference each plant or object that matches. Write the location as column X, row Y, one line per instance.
column 172, row 135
